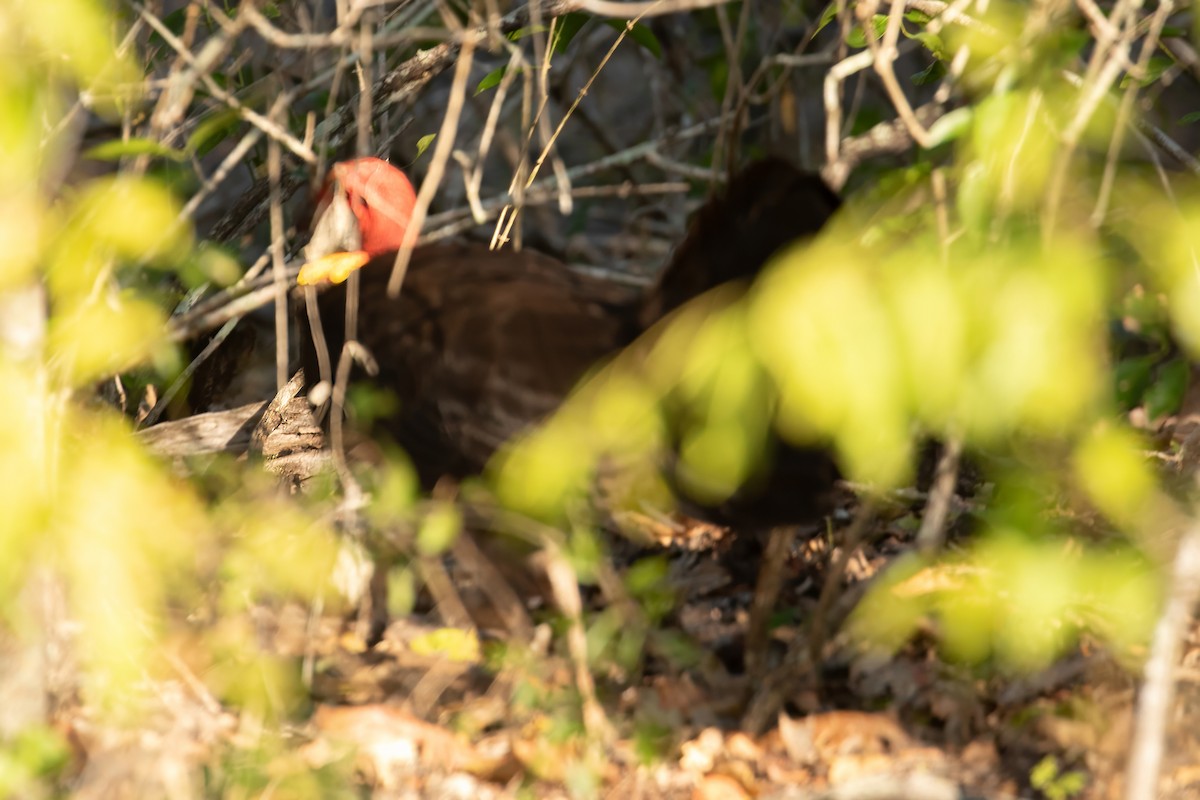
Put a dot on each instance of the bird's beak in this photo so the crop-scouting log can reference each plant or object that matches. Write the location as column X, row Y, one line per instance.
column 335, row 249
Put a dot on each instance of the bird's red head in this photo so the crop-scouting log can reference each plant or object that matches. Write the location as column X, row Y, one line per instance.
column 381, row 197
column 364, row 210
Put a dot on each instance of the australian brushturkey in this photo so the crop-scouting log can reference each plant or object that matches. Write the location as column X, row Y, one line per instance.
column 480, row 344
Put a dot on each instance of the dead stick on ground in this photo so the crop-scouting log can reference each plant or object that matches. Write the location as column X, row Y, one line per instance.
column 1158, row 689
column 818, row 631
column 565, row 586
column 933, row 523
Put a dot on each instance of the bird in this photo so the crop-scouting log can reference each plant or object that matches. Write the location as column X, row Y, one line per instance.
column 481, row 346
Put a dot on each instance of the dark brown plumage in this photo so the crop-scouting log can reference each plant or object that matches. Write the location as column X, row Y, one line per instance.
column 480, row 345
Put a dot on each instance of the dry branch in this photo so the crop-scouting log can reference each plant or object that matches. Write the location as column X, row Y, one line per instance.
column 213, row 432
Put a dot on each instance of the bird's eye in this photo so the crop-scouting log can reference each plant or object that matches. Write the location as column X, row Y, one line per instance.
column 360, row 202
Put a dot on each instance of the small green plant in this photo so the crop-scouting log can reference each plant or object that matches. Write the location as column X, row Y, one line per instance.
column 1049, row 779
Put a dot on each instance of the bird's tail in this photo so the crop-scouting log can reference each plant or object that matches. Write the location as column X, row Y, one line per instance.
column 765, row 206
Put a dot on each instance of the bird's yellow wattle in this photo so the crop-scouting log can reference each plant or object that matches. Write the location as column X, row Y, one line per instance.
column 333, row 268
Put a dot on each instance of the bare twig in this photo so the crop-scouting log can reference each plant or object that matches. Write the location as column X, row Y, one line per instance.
column 443, row 147
column 833, row 100
column 505, row 227
column 636, row 10
column 933, row 523
column 169, row 395
column 819, row 627
column 278, row 269
column 1125, row 111
column 1105, row 66
column 1158, row 689
column 766, row 594
column 565, row 586
column 885, row 53
column 886, row 138
column 202, row 65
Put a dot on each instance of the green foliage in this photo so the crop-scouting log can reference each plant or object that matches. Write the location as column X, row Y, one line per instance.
column 1049, row 779
column 984, row 319
column 117, row 149
column 212, row 130
column 426, row 140
column 996, row 332
column 273, row 767
column 489, row 81
column 132, row 543
column 439, row 528
column 33, row 755
column 640, row 34
column 449, row 643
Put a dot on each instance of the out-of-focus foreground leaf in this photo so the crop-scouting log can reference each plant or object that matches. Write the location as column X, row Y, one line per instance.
column 131, row 544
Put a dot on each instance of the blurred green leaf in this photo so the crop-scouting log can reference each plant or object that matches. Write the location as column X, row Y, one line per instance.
column 440, row 527
column 368, row 403
column 933, row 43
column 528, row 30
column 117, row 149
column 451, row 643
column 1131, row 376
column 1154, row 70
column 1048, row 778
column 930, row 75
column 424, row 142
column 1165, row 394
column 1111, row 467
column 212, row 131
column 489, row 81
column 950, row 126
column 566, row 28
column 827, row 16
column 639, row 33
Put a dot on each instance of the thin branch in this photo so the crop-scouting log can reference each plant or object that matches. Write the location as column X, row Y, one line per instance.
column 1158, row 688
column 278, row 268
column 502, row 237
column 886, row 53
column 443, row 146
column 253, row 117
column 933, row 521
column 633, row 10
column 1125, row 112
column 1104, row 67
